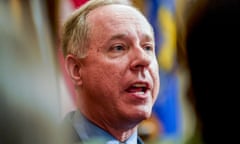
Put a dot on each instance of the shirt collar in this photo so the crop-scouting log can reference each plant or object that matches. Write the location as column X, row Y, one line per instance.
column 90, row 133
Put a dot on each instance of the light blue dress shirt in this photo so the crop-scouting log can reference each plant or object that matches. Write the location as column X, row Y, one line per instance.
column 92, row 134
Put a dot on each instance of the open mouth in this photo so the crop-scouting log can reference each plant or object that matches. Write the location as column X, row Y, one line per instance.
column 138, row 88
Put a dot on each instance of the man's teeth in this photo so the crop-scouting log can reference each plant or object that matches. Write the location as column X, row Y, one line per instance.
column 140, row 92
column 139, row 85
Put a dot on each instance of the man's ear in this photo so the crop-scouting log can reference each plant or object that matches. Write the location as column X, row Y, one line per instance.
column 73, row 68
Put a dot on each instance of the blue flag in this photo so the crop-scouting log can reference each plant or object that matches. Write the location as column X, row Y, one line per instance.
column 161, row 15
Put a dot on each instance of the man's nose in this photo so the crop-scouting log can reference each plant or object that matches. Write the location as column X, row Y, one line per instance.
column 141, row 59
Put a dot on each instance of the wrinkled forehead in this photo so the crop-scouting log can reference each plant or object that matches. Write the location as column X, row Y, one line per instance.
column 116, row 13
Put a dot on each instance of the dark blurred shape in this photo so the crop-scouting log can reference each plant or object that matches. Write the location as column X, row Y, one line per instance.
column 212, row 43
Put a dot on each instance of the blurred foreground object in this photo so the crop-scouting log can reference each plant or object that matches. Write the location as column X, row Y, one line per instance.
column 210, row 38
column 29, row 105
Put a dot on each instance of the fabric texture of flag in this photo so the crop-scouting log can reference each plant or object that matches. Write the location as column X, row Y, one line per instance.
column 161, row 14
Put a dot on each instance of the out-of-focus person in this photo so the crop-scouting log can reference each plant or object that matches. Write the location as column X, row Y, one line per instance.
column 211, row 42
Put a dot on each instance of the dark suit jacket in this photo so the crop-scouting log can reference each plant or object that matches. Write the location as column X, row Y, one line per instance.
column 74, row 137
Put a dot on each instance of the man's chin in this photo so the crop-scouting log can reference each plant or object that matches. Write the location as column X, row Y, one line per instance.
column 143, row 115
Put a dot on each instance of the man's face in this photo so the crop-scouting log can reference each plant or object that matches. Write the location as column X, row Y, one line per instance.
column 120, row 73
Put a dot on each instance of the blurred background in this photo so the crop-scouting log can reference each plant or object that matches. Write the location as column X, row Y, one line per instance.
column 195, row 46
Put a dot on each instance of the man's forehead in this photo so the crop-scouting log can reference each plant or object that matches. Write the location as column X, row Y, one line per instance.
column 116, row 14
column 112, row 11
column 113, row 17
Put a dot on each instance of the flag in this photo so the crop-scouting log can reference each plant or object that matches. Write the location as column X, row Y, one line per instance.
column 161, row 15
column 167, row 107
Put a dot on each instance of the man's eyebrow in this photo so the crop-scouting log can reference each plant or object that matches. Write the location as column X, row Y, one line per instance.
column 148, row 38
column 121, row 36
column 118, row 36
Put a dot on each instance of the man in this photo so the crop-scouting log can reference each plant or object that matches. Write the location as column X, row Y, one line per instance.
column 110, row 56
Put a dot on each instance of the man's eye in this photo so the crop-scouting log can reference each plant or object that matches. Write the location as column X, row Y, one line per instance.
column 118, row 48
column 148, row 48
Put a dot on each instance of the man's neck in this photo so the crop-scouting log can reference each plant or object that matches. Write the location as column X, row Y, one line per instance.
column 118, row 127
column 121, row 134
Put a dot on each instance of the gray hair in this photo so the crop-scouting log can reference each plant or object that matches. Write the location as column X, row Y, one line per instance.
column 75, row 36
